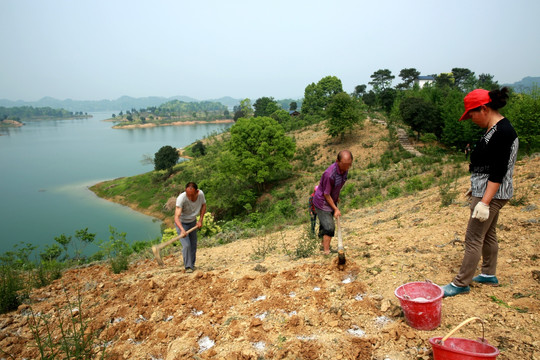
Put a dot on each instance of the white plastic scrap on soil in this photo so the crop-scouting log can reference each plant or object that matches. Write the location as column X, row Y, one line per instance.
column 261, row 316
column 359, row 297
column 259, row 345
column 348, row 280
column 169, row 318
column 260, row 298
column 306, row 338
column 356, row 331
column 292, row 294
column 140, row 319
column 382, row 320
column 205, row 343
column 196, row 313
column 316, row 288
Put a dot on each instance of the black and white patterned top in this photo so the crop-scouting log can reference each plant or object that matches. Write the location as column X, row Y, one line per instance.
column 493, row 160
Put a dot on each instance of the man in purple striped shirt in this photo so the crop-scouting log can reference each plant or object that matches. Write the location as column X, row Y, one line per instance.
column 326, row 197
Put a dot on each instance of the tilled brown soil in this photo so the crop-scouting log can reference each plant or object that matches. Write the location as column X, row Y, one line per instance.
column 235, row 307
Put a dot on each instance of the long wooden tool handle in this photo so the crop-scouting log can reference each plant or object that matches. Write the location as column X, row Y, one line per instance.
column 340, row 240
column 169, row 242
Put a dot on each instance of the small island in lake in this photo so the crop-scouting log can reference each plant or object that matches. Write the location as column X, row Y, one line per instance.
column 173, row 113
column 14, row 116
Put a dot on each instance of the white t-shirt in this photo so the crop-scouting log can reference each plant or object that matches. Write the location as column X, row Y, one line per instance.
column 190, row 209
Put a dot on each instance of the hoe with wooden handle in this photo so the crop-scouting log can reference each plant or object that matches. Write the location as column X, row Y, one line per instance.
column 157, row 248
column 340, row 249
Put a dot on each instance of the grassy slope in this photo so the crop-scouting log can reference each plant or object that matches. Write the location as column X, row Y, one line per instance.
column 381, row 170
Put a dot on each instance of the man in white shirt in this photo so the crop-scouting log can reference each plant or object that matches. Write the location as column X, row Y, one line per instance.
column 189, row 204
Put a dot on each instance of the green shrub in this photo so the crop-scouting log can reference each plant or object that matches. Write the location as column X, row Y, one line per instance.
column 416, row 183
column 119, row 263
column 428, row 138
column 210, row 227
column 46, row 272
column 117, row 250
column 519, row 198
column 448, row 192
column 285, row 208
column 394, row 191
column 263, row 246
column 75, row 340
column 307, row 245
column 10, row 285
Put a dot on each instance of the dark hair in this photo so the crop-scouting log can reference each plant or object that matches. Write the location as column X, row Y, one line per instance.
column 498, row 98
column 344, row 151
column 191, row 184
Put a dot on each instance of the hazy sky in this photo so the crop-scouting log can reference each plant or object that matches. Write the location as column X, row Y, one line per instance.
column 104, row 49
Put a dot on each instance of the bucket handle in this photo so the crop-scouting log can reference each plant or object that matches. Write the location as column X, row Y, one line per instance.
column 462, row 324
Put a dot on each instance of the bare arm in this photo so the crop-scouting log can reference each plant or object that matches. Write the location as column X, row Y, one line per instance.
column 330, row 202
column 201, row 217
column 491, row 190
column 177, row 214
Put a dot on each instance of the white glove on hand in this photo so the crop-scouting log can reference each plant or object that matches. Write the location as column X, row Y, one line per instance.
column 481, row 212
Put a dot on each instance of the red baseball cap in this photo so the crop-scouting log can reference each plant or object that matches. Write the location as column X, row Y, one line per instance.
column 473, row 100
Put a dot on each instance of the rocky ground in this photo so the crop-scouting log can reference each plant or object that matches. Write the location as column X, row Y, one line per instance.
column 238, row 306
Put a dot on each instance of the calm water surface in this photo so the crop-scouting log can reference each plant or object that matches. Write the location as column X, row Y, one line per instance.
column 47, row 166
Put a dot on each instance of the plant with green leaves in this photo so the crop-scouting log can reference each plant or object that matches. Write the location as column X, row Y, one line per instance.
column 11, row 282
column 523, row 110
column 261, row 151
column 448, row 189
column 166, row 157
column 67, row 339
column 265, row 106
column 307, row 245
column 318, row 96
column 117, row 250
column 344, row 113
column 210, row 226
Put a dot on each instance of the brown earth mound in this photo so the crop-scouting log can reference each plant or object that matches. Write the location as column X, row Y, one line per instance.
column 233, row 307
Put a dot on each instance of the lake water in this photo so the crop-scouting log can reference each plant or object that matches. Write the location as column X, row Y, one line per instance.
column 47, row 166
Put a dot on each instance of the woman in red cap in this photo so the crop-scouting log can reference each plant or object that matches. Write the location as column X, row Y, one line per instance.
column 492, row 167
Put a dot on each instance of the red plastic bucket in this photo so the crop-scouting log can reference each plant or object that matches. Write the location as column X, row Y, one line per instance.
column 462, row 349
column 421, row 303
column 448, row 348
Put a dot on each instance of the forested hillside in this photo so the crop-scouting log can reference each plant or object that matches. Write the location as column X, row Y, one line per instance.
column 40, row 113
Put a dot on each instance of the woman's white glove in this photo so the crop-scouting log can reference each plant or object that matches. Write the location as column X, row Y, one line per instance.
column 481, row 212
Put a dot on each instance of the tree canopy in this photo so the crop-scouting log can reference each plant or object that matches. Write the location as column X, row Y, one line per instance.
column 419, row 114
column 166, row 158
column 261, row 150
column 265, row 106
column 343, row 113
column 382, row 79
column 317, row 96
column 408, row 76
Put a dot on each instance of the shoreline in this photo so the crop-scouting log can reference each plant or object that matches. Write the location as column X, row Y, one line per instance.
column 176, row 123
column 121, row 201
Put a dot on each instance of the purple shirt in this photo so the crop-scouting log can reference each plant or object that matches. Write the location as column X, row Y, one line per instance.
column 332, row 180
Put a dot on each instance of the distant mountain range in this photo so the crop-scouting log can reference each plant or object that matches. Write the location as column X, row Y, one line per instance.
column 123, row 103
column 127, row 103
column 526, row 84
